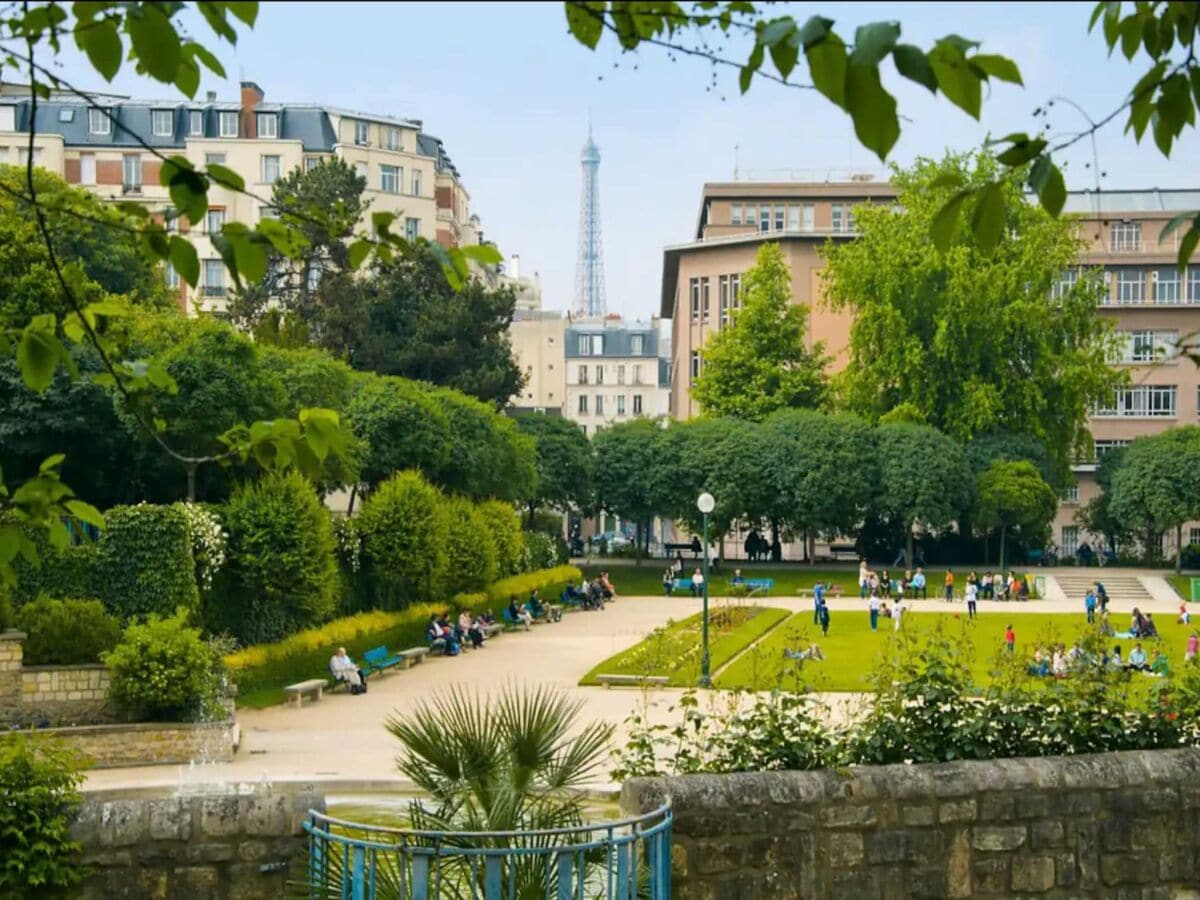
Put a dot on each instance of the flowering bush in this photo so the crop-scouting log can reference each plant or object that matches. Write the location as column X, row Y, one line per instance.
column 209, row 542
column 538, row 551
column 348, row 544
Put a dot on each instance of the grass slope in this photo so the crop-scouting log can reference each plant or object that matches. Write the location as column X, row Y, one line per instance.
column 852, row 650
column 674, row 649
column 1182, row 585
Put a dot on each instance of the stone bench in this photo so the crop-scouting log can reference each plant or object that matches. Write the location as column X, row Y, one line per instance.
column 413, row 656
column 636, row 680
column 296, row 692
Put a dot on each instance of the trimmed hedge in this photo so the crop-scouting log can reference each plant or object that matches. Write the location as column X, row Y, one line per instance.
column 66, row 632
column 143, row 562
column 551, row 581
column 404, row 527
column 505, row 526
column 470, row 550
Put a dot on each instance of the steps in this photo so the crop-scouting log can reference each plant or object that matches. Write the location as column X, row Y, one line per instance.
column 1126, row 591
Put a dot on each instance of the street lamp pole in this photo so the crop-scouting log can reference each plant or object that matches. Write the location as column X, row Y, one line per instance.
column 706, row 504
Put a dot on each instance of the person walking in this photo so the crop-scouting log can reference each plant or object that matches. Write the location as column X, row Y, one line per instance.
column 949, row 585
column 824, row 618
column 1010, row 639
column 818, row 600
column 864, row 578
column 1089, row 604
column 873, row 607
column 972, row 596
column 1101, row 595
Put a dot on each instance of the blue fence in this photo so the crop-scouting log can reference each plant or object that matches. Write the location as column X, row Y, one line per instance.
column 625, row 860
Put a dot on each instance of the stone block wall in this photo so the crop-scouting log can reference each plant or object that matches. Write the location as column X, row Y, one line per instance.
column 151, row 743
column 60, row 695
column 218, row 847
column 1108, row 825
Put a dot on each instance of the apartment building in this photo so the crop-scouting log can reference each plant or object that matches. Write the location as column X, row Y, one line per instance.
column 538, row 337
column 101, row 144
column 615, row 371
column 1152, row 304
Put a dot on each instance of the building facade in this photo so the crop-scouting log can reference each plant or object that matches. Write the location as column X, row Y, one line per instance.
column 615, row 371
column 1153, row 305
column 101, row 145
column 538, row 338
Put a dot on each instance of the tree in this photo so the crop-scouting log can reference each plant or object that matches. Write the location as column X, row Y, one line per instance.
column 923, row 478
column 1157, row 486
column 625, row 469
column 1096, row 515
column 563, row 461
column 405, row 528
column 470, row 548
column 1013, row 494
column 760, row 363
column 401, row 425
column 974, row 342
column 1002, row 446
column 487, row 455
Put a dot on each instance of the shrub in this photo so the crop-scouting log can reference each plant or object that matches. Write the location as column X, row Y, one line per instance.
column 39, row 784
column 549, row 581
column 66, row 632
column 281, row 575
column 143, row 562
column 209, row 542
column 476, row 601
column 470, row 550
column 162, row 671
column 404, row 525
column 539, row 551
column 57, row 572
column 505, row 527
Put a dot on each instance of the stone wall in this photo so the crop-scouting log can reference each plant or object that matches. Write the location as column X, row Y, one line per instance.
column 218, row 847
column 1109, row 825
column 151, row 743
column 58, row 695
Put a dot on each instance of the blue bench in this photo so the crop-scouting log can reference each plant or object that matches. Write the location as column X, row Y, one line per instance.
column 682, row 584
column 379, row 660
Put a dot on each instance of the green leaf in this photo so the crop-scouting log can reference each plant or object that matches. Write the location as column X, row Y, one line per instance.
column 1163, row 131
column 38, row 354
column 187, row 77
column 101, row 41
column 1000, row 67
column 1171, row 226
column 85, row 512
column 188, row 188
column 1021, row 152
column 987, row 221
column 225, row 177
column 155, row 241
column 813, row 31
column 382, row 220
column 199, row 51
column 957, row 81
column 246, row 10
column 912, row 63
column 584, row 25
column 941, row 232
column 873, row 110
column 874, row 41
column 155, row 41
column 184, row 259
column 1187, row 244
column 784, row 54
column 51, row 462
column 1053, row 193
column 752, row 65
column 827, row 64
column 484, row 254
column 359, row 251
column 1131, row 37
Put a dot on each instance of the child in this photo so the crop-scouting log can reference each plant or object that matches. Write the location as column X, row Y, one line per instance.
column 949, row 585
column 1185, row 617
column 1193, row 647
column 1010, row 639
column 897, row 615
column 972, row 593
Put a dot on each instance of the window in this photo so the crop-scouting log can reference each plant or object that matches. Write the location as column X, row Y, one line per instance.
column 160, row 122
column 1065, row 282
column 637, row 373
column 620, row 374
column 1125, row 236
column 764, row 217
column 585, row 345
column 1102, row 446
column 391, row 138
column 416, row 183
column 582, row 408
column 195, row 123
column 599, row 374
column 214, row 159
column 735, row 214
column 1148, row 346
column 1070, row 540
column 751, row 215
column 583, row 374
column 597, row 344
column 23, row 156
column 360, row 169
column 99, row 122
column 227, row 124
column 361, row 133
column 172, row 277
column 780, row 211
column 1070, row 494
column 267, row 125
column 810, row 217
column 1194, row 536
column 311, row 162
column 735, row 288
column 599, row 404
column 1144, row 401
column 1193, row 284
column 131, row 178
column 695, row 364
column 215, row 220
column 270, row 169
column 267, row 212
column 636, row 343
column 389, row 179
column 694, row 291
column 1131, row 286
column 620, row 404
column 723, row 300
column 704, row 298
column 412, row 228
column 843, row 218
column 793, row 217
column 64, row 115
column 1167, row 285
column 87, row 168
column 637, row 404
column 315, row 271
column 214, row 278
column 170, row 220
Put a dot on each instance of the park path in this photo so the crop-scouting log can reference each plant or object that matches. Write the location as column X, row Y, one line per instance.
column 343, row 738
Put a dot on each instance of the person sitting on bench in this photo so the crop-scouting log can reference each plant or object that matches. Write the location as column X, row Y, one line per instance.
column 519, row 614
column 606, row 587
column 668, row 581
column 470, row 628
column 813, row 652
column 345, row 669
column 697, row 583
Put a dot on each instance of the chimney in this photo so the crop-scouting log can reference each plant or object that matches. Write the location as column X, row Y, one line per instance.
column 211, row 96
column 252, row 95
column 514, row 266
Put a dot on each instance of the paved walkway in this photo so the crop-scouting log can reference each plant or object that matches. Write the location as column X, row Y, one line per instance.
column 343, row 737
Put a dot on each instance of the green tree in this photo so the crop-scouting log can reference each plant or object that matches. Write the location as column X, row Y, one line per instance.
column 488, row 456
column 625, row 472
column 401, row 425
column 975, row 342
column 563, row 461
column 1014, row 495
column 1096, row 515
column 470, row 548
column 404, row 526
column 923, row 478
column 760, row 362
column 1157, row 485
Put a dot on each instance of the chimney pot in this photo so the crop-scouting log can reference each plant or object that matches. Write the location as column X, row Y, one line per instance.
column 211, row 96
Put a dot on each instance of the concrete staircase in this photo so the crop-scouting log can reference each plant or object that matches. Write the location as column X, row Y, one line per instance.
column 1124, row 591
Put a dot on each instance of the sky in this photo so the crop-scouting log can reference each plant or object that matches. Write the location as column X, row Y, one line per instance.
column 511, row 94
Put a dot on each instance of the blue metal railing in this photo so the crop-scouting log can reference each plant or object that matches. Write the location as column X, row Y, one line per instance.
column 629, row 859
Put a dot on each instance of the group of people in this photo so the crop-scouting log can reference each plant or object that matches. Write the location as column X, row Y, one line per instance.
column 674, row 574
column 454, row 636
column 915, row 584
column 758, row 547
column 1058, row 662
column 590, row 594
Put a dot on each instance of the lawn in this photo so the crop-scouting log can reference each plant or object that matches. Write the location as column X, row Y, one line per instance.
column 1182, row 585
column 674, row 649
column 852, row 651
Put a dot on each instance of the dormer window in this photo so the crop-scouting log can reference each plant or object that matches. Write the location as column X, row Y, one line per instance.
column 361, row 133
column 196, row 123
column 268, row 125
column 98, row 122
column 160, row 123
column 228, row 124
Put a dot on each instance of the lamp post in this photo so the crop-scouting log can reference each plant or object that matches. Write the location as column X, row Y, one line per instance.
column 705, row 503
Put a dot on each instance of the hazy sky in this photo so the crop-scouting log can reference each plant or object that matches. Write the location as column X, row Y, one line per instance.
column 509, row 91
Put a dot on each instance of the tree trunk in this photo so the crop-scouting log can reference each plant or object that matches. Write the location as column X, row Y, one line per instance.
column 191, row 482
column 353, row 497
column 1003, row 534
column 1178, row 549
column 637, row 543
column 775, row 542
column 908, row 545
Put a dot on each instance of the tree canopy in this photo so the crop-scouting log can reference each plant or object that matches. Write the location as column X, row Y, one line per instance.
column 1013, row 494
column 563, row 460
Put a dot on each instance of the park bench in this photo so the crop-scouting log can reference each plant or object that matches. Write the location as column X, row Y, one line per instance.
column 837, row 551
column 378, row 660
column 681, row 548
column 754, row 586
column 609, row 680
column 682, row 584
column 414, row 655
column 298, row 691
column 508, row 618
column 831, row 590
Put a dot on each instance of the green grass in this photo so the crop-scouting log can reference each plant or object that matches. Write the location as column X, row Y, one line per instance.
column 852, row 650
column 1182, row 585
column 674, row 649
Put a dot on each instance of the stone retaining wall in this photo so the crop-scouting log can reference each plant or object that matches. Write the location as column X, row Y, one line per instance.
column 151, row 743
column 215, row 847
column 1109, row 825
column 60, row 695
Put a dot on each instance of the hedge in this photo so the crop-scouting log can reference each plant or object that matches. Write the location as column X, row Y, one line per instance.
column 519, row 586
column 404, row 526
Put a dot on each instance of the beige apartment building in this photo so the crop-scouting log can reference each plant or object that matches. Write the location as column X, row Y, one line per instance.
column 1152, row 304
column 97, row 144
column 538, row 337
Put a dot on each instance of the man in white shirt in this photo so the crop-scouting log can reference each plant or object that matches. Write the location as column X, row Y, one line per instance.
column 697, row 583
column 897, row 614
column 344, row 669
